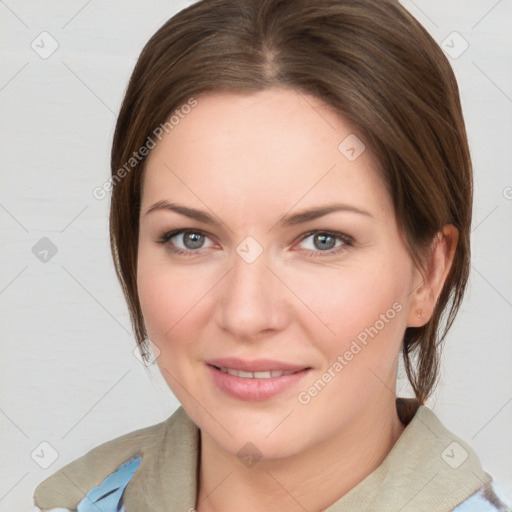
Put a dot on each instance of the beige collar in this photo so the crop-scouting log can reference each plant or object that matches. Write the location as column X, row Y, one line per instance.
column 427, row 469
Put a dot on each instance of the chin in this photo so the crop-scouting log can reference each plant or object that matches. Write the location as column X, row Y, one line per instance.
column 269, row 437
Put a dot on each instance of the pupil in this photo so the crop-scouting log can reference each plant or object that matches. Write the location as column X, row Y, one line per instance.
column 323, row 238
column 193, row 240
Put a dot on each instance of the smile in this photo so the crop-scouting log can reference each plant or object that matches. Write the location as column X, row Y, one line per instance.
column 255, row 375
column 258, row 384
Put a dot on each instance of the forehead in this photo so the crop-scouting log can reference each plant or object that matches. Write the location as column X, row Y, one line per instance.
column 268, row 122
column 272, row 147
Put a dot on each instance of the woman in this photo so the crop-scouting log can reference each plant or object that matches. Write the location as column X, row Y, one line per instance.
column 291, row 209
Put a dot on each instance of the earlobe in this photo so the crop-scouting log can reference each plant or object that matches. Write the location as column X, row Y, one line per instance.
column 432, row 280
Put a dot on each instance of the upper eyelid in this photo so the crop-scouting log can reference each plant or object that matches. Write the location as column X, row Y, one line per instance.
column 328, row 231
column 176, row 232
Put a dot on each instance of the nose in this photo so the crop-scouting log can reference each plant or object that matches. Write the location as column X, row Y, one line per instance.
column 253, row 301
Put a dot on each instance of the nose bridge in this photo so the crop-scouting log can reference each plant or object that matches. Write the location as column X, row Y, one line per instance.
column 251, row 297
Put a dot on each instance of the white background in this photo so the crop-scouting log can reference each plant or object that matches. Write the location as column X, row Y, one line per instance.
column 68, row 374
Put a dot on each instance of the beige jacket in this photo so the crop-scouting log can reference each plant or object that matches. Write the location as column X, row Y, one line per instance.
column 429, row 469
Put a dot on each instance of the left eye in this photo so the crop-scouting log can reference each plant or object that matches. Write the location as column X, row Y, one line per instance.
column 325, row 242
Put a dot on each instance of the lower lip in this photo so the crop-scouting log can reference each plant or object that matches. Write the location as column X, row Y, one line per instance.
column 254, row 389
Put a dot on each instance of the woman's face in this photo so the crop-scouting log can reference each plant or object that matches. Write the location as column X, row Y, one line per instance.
column 250, row 285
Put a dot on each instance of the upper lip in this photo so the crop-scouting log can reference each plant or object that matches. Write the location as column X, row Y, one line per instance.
column 255, row 365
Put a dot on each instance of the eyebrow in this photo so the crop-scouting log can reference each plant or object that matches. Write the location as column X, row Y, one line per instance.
column 288, row 220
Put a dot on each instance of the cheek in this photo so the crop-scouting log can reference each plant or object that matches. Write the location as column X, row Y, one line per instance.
column 171, row 299
column 349, row 300
column 364, row 307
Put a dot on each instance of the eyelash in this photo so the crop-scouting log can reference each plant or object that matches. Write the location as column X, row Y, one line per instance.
column 347, row 240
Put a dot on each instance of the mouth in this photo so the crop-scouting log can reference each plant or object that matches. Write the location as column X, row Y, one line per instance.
column 255, row 380
column 256, row 375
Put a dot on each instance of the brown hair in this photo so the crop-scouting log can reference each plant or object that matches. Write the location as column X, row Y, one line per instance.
column 372, row 62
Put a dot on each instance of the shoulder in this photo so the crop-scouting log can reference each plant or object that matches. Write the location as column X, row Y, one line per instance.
column 428, row 450
column 107, row 496
column 107, row 468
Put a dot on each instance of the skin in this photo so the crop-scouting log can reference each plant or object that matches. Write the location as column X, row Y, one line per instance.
column 248, row 160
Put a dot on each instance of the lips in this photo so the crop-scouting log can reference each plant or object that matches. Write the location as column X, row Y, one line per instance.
column 256, row 380
column 243, row 367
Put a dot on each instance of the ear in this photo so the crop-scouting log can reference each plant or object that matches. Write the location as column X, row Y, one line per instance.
column 430, row 282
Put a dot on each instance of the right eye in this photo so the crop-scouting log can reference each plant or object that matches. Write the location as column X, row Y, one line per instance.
column 188, row 242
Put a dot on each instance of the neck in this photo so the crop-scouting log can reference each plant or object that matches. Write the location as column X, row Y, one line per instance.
column 310, row 480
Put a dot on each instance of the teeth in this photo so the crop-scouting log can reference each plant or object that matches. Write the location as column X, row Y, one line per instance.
column 255, row 375
column 263, row 375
